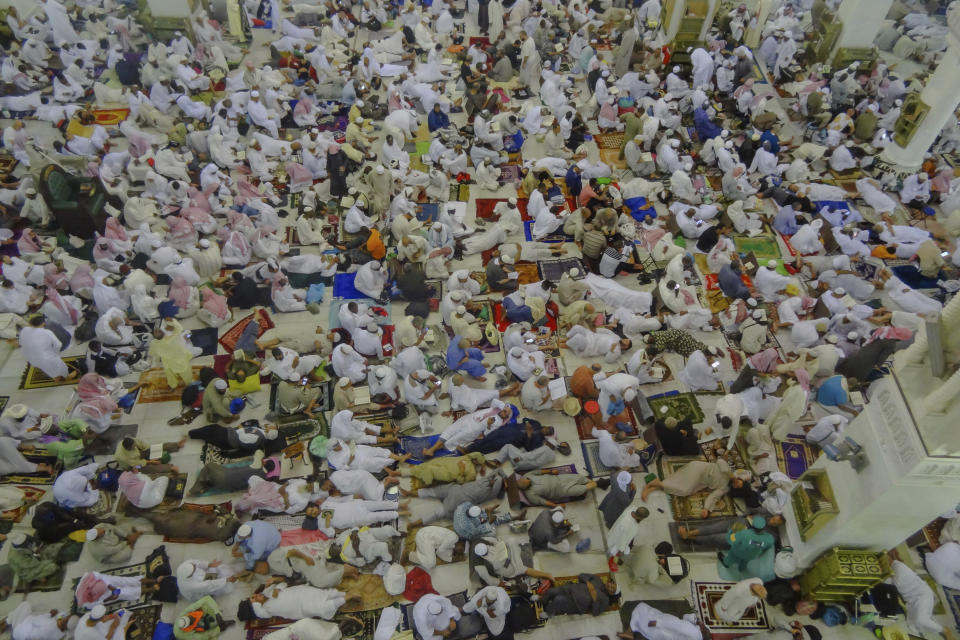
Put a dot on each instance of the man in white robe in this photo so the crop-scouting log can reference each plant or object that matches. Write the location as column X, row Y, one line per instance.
column 370, row 280
column 493, row 604
column 348, row 363
column 739, row 598
column 433, row 614
column 652, row 624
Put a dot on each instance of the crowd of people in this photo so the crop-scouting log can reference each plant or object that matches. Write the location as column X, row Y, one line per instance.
column 440, row 247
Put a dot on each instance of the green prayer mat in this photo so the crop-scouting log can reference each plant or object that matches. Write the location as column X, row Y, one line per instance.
column 764, row 247
column 69, row 552
column 679, row 406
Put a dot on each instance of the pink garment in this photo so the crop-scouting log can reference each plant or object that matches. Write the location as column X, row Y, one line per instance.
column 179, row 292
column 215, row 303
column 27, row 242
column 246, row 190
column 104, row 249
column 941, row 181
column 261, row 495
column 61, row 304
column 239, row 221
column 652, row 237
column 890, row 333
column 279, row 282
column 299, row 176
column 93, row 392
column 115, row 231
column 131, row 484
column 290, row 537
column 181, row 230
column 765, row 361
column 82, row 278
column 137, row 145
column 91, row 589
column 54, row 278
column 803, row 378
column 303, row 108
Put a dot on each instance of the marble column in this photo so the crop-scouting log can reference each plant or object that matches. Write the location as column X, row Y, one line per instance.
column 861, row 20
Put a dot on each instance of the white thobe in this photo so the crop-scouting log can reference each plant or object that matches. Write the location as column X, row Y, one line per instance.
column 432, row 543
column 494, row 615
column 429, row 624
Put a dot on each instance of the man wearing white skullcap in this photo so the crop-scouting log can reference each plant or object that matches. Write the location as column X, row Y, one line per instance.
column 434, row 615
column 97, row 625
column 255, row 541
column 571, row 287
column 621, row 494
column 110, row 545
column 199, row 578
column 434, row 543
column 770, row 284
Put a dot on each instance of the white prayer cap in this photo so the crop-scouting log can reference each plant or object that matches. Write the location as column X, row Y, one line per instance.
column 506, row 260
column 614, row 90
column 848, row 143
column 630, row 394
column 897, row 102
column 244, row 531
column 840, row 291
column 380, row 169
column 853, row 335
column 757, row 314
column 752, row 302
column 360, row 104
column 352, row 191
column 725, row 133
column 689, row 49
column 381, row 372
column 220, row 384
column 31, row 191
column 688, row 165
column 674, row 143
column 254, row 94
column 438, row 226
column 17, row 538
column 185, row 570
column 204, row 243
column 375, row 266
column 922, row 177
column 605, row 73
column 16, row 411
column 771, row 264
column 434, row 608
column 342, row 382
column 156, row 243
column 557, row 516
column 676, row 69
column 98, row 612
column 512, row 202
column 832, row 338
column 480, row 548
column 92, row 534
column 358, row 119
column 314, row 130
column 461, row 309
column 474, row 511
column 872, row 108
column 574, row 272
column 177, row 33
column 728, row 144
column 371, row 327
column 623, row 480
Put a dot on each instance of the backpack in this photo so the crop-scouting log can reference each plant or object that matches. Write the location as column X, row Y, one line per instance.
column 108, row 478
column 53, row 523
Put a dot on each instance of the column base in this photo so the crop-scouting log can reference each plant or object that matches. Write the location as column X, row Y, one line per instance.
column 886, row 164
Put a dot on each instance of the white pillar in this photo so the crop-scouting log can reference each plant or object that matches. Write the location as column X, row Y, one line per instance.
column 942, row 95
column 752, row 36
column 708, row 21
column 861, row 20
column 170, row 8
column 673, row 20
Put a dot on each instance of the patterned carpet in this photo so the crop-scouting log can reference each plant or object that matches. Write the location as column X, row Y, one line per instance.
column 229, row 339
column 705, row 597
column 31, row 496
column 678, row 405
column 690, row 507
column 611, row 140
column 34, row 378
column 155, row 387
column 795, row 455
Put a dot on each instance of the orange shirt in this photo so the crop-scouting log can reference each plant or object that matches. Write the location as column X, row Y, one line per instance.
column 581, row 383
column 375, row 245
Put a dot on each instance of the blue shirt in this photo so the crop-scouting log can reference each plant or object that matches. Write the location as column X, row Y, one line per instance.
column 574, row 183
column 706, row 128
column 437, row 120
column 771, row 137
column 468, row 527
column 263, row 539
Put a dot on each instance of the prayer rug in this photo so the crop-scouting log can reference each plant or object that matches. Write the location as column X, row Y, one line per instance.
column 129, row 571
column 34, row 378
column 509, row 173
column 591, row 458
column 786, row 241
column 605, row 576
column 795, row 455
column 678, row 405
column 705, row 598
column 232, row 335
column 8, row 163
column 221, row 509
column 428, row 211
column 585, row 425
column 912, row 277
column 343, row 287
column 282, row 521
column 763, row 246
column 716, row 300
column 415, row 445
column 41, row 477
column 410, row 544
column 369, row 618
column 171, row 500
column 690, row 507
column 678, row 608
column 110, row 117
column 220, row 366
column 31, row 496
column 143, row 621
column 528, row 272
column 709, row 450
column 485, row 207
column 502, row 322
column 155, row 387
column 712, row 281
column 105, row 443
column 696, row 546
column 556, row 236
column 611, row 140
column 552, row 269
column 69, row 552
column 460, row 192
column 205, row 339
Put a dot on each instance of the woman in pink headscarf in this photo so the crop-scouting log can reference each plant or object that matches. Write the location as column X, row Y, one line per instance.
column 286, row 298
column 97, row 404
column 81, row 281
column 184, row 296
column 213, row 310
